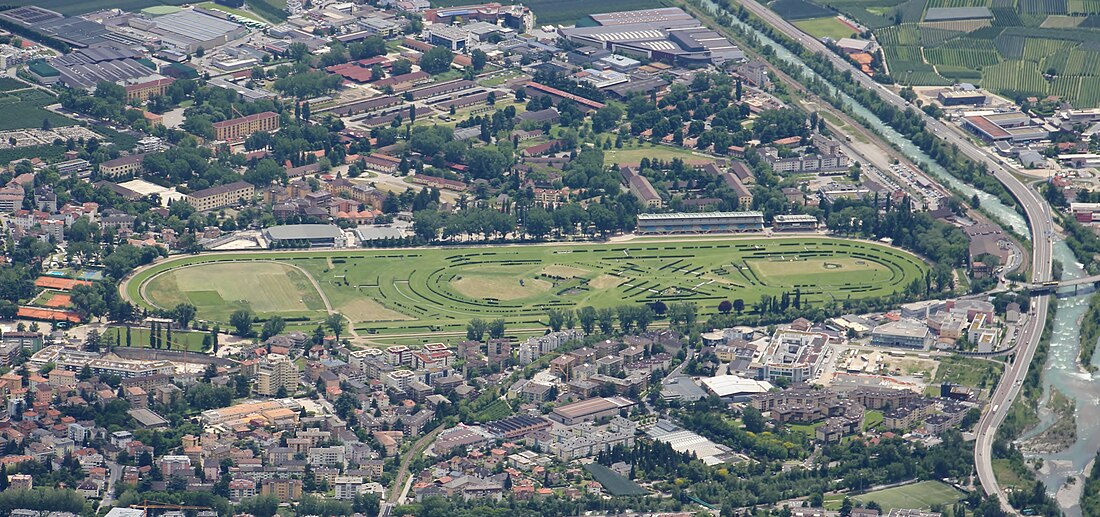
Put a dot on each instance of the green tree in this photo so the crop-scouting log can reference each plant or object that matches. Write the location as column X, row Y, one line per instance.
column 272, row 327
column 496, row 328
column 605, row 317
column 335, row 323
column 475, row 329
column 242, row 321
column 437, row 60
column 184, row 313
column 587, row 316
column 753, row 419
column 556, row 318
column 478, row 58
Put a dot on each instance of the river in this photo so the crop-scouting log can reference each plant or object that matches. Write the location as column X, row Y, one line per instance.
column 1061, row 370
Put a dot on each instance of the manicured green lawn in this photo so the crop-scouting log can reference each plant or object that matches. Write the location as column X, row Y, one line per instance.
column 918, row 495
column 871, row 419
column 139, row 338
column 825, row 27
column 270, row 288
column 432, row 289
column 633, row 154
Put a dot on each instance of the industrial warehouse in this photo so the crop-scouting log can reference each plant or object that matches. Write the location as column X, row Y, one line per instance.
column 665, row 34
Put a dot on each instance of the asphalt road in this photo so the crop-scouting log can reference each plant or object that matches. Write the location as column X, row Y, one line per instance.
column 1039, row 220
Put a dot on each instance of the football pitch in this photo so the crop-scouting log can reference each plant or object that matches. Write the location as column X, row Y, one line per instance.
column 921, row 495
column 442, row 289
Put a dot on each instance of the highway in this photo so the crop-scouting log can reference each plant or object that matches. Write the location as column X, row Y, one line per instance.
column 1039, row 219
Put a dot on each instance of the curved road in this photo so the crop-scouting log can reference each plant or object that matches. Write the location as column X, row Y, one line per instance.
column 1039, row 220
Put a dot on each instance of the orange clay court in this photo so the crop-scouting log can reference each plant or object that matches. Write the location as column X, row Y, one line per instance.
column 36, row 313
column 59, row 301
column 61, row 284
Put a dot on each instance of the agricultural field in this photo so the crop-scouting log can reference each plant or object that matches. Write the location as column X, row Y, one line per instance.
column 829, row 26
column 73, row 8
column 799, row 10
column 1028, row 48
column 565, row 12
column 615, row 484
column 8, row 84
column 23, row 109
column 273, row 11
column 239, row 12
column 429, row 290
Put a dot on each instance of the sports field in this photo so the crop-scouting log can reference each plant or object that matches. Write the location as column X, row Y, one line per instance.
column 918, row 495
column 221, row 288
column 433, row 289
column 828, row 26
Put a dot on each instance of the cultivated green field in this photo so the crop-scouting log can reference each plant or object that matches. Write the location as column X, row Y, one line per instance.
column 23, row 109
column 432, row 289
column 1027, row 48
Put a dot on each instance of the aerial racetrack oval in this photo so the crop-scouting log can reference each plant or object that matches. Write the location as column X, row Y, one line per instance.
column 428, row 289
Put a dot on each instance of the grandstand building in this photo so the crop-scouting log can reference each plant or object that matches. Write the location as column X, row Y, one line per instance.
column 794, row 222
column 705, row 222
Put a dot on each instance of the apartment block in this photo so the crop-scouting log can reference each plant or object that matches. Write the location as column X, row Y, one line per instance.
column 221, row 196
column 240, row 128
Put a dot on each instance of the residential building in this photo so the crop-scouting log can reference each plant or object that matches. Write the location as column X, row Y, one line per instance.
column 142, row 91
column 221, row 196
column 275, row 372
column 242, row 127
column 285, row 490
column 129, row 165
